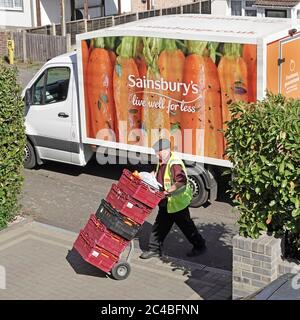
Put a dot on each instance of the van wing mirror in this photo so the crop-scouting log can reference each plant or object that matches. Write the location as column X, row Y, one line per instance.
column 28, row 97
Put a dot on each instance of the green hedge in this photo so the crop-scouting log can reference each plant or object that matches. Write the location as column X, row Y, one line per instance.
column 12, row 143
column 263, row 143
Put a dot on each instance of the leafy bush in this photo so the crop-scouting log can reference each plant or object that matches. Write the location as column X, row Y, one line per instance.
column 12, row 143
column 263, row 143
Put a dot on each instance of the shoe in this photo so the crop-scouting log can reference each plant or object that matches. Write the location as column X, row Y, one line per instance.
column 196, row 251
column 149, row 254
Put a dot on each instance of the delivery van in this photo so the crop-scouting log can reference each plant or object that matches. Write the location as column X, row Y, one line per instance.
column 174, row 76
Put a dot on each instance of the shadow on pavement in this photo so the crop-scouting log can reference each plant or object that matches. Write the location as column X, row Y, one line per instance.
column 218, row 255
column 203, row 283
column 218, row 241
column 80, row 266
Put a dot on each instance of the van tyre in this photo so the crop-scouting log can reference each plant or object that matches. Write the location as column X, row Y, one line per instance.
column 121, row 271
column 200, row 193
column 29, row 156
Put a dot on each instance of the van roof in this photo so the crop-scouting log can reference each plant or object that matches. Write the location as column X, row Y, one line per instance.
column 69, row 57
column 201, row 27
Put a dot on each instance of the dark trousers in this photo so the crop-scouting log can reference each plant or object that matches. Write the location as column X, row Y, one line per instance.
column 164, row 222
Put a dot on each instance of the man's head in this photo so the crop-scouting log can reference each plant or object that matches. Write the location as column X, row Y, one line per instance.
column 162, row 149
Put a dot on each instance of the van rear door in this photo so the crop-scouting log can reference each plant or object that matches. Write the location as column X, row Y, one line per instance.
column 289, row 69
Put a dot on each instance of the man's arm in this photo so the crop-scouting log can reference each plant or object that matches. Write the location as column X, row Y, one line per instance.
column 179, row 177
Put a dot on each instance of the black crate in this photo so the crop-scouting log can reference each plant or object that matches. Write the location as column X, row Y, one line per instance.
column 116, row 222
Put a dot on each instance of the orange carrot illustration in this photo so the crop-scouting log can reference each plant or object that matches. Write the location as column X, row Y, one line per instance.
column 100, row 88
column 155, row 118
column 85, row 60
column 127, row 112
column 249, row 55
column 233, row 78
column 201, row 71
column 171, row 63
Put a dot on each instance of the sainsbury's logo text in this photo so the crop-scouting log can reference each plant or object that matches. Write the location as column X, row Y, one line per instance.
column 163, row 85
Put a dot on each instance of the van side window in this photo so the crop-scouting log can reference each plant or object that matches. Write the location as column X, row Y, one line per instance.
column 38, row 89
column 52, row 86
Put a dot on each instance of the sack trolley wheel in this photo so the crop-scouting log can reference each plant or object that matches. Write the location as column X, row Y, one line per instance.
column 121, row 269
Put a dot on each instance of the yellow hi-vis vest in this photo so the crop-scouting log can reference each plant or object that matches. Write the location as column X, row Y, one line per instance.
column 182, row 197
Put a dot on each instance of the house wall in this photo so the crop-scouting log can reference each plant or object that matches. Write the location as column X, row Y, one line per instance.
column 137, row 5
column 51, row 11
column 25, row 18
column 295, row 14
column 126, row 6
column 220, row 7
column 111, row 7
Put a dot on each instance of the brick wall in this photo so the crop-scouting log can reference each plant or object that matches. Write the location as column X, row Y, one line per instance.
column 137, row 5
column 3, row 43
column 256, row 263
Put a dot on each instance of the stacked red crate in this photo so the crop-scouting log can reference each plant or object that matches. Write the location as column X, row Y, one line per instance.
column 117, row 220
column 139, row 190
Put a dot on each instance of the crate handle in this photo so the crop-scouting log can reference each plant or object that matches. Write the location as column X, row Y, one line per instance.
column 118, row 193
column 150, row 189
column 128, row 223
column 115, row 238
column 86, row 238
column 99, row 225
column 105, row 255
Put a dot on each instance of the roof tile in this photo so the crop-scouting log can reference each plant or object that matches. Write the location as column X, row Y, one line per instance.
column 274, row 3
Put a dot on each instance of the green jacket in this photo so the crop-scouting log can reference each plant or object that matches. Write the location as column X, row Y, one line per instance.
column 182, row 197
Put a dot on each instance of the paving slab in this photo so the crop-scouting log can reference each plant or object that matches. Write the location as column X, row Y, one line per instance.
column 40, row 263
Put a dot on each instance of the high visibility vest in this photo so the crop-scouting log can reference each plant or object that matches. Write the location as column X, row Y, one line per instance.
column 182, row 197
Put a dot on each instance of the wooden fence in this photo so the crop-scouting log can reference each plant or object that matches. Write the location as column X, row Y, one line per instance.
column 81, row 26
column 38, row 47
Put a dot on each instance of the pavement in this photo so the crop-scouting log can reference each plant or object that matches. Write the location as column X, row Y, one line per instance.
column 57, row 200
column 27, row 71
column 40, row 264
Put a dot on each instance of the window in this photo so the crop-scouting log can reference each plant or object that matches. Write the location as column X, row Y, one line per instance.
column 298, row 14
column 37, row 90
column 206, row 7
column 52, row 86
column 250, row 13
column 243, row 8
column 236, row 8
column 275, row 13
column 11, row 4
column 249, row 3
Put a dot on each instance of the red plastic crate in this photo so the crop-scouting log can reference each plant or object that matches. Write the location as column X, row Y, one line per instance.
column 97, row 232
column 93, row 254
column 126, row 205
column 139, row 190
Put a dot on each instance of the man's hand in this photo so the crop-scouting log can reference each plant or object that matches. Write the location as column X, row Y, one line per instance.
column 175, row 186
column 166, row 193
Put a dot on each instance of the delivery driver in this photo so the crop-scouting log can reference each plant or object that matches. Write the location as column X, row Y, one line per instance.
column 172, row 175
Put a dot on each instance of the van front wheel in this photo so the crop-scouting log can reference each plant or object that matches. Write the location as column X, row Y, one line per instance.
column 29, row 156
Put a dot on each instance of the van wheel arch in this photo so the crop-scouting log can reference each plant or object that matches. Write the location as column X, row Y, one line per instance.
column 30, row 159
column 203, row 183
